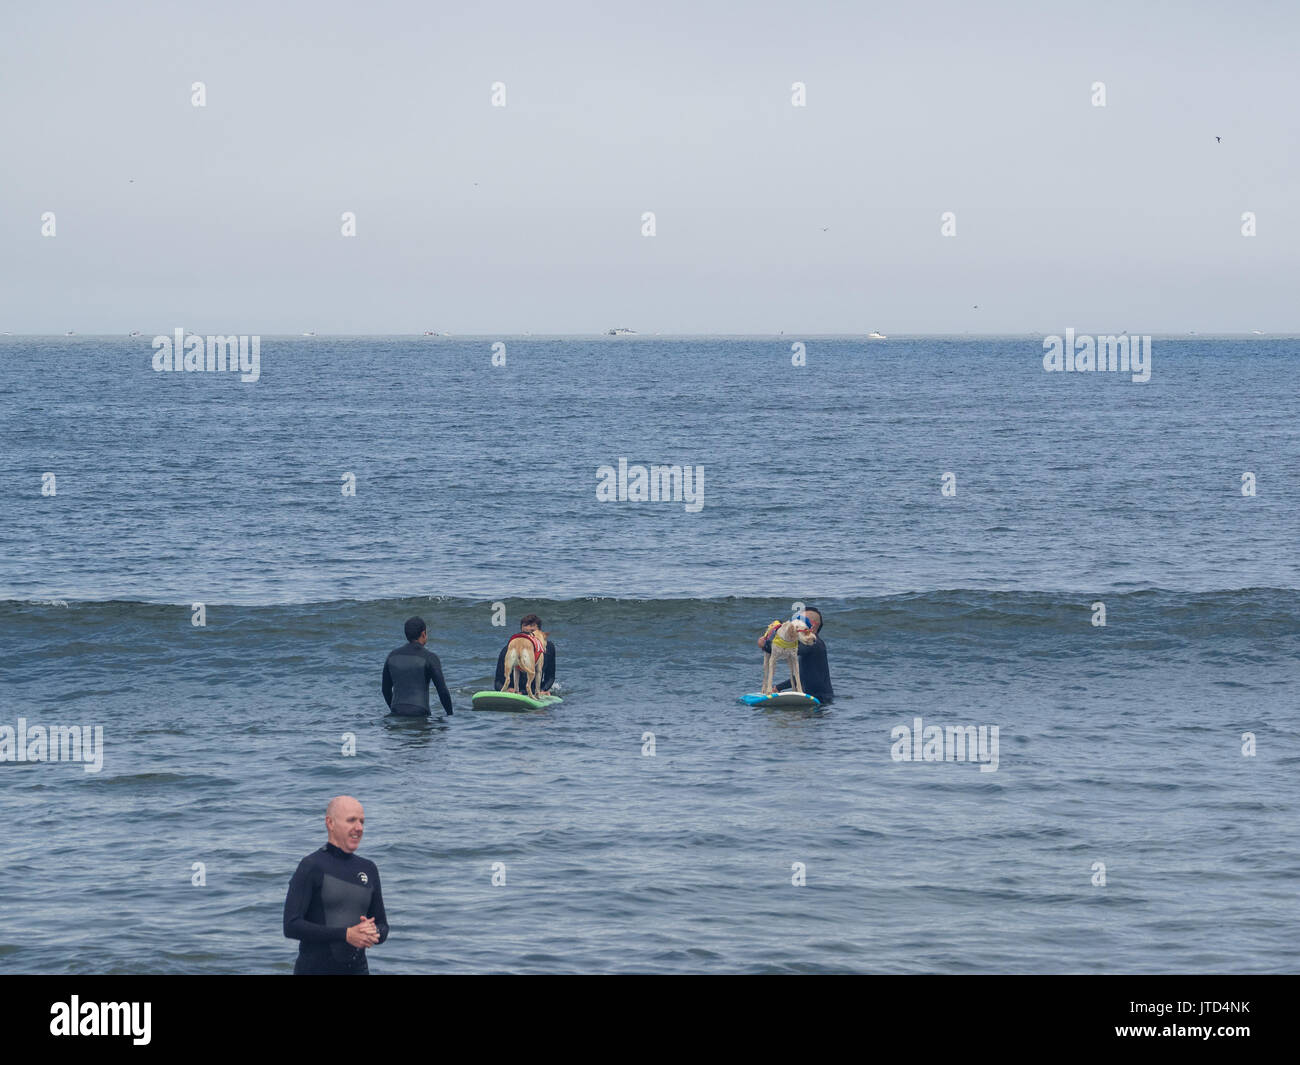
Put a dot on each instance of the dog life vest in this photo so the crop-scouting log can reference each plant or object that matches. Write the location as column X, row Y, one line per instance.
column 538, row 649
column 785, row 645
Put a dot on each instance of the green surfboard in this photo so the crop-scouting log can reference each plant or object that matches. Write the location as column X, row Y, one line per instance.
column 490, row 700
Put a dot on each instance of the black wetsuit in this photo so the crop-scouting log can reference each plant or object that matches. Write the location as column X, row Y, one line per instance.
column 548, row 668
column 814, row 671
column 330, row 892
column 408, row 672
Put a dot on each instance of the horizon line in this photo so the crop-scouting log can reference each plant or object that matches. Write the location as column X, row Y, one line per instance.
column 661, row 335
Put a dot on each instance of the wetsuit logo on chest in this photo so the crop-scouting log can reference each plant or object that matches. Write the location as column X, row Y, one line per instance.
column 363, row 878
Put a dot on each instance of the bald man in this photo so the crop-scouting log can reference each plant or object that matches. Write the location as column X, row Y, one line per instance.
column 334, row 907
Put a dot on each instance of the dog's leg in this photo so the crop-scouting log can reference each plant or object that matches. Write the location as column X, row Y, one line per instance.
column 794, row 672
column 769, row 669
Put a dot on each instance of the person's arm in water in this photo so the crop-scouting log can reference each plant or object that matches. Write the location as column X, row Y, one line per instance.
column 498, row 682
column 548, row 668
column 433, row 671
column 387, row 686
column 306, row 879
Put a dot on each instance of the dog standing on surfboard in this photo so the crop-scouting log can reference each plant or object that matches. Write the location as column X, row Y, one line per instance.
column 786, row 638
column 525, row 654
column 545, row 665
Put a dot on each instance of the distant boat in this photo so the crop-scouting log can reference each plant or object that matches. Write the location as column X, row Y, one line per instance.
column 69, row 333
column 429, row 334
column 309, row 334
column 136, row 333
column 621, row 333
column 877, row 336
column 1258, row 332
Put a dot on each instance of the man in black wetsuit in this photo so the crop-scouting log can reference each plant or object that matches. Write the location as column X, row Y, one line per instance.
column 814, row 671
column 334, row 907
column 408, row 672
column 530, row 623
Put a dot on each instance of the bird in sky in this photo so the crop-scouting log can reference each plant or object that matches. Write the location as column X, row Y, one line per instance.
column 1218, row 140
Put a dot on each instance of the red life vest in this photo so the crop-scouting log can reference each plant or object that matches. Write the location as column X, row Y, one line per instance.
column 538, row 650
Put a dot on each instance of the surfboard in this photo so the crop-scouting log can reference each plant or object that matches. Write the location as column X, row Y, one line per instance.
column 490, row 700
column 782, row 700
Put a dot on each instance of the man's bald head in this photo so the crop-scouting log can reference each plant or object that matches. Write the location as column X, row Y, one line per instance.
column 345, row 821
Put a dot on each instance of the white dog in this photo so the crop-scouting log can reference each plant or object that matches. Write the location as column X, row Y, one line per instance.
column 785, row 645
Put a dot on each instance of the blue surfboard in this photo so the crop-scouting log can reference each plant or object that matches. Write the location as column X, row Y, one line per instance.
column 782, row 700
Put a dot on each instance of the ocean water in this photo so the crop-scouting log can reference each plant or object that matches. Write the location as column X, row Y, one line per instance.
column 1118, row 746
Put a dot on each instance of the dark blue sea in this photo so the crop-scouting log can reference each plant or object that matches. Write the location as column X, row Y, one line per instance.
column 962, row 518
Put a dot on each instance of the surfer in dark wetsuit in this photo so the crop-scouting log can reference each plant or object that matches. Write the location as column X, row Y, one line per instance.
column 334, row 907
column 409, row 671
column 814, row 670
column 530, row 623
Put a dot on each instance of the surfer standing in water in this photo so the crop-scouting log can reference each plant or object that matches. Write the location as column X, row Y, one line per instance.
column 814, row 670
column 409, row 671
column 528, row 624
column 332, row 888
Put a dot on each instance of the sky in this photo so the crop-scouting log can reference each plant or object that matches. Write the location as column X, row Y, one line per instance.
column 479, row 219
